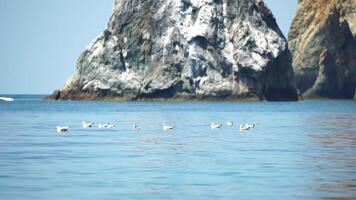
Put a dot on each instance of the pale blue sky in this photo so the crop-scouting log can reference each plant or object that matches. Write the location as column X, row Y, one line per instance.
column 40, row 40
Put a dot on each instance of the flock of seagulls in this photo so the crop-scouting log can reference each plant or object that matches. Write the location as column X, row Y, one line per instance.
column 243, row 127
column 165, row 127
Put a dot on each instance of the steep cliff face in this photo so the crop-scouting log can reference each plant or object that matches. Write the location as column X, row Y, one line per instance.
column 323, row 45
column 206, row 49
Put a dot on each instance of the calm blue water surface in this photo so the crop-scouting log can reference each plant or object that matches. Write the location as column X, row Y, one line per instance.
column 298, row 150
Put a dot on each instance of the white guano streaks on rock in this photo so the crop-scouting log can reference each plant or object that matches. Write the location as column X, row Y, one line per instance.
column 187, row 49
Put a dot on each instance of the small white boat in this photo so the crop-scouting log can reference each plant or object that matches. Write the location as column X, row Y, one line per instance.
column 62, row 129
column 229, row 123
column 215, row 126
column 107, row 125
column 8, row 99
column 87, row 124
column 135, row 127
column 167, row 127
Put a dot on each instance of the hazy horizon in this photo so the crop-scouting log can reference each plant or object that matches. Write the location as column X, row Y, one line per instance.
column 41, row 40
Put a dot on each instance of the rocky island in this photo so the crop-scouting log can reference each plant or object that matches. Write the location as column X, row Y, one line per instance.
column 322, row 40
column 186, row 49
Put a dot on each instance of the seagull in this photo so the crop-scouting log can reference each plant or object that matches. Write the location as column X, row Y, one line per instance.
column 215, row 126
column 107, row 125
column 229, row 123
column 135, row 127
column 6, row 99
column 245, row 127
column 87, row 124
column 166, row 127
column 110, row 126
column 62, row 129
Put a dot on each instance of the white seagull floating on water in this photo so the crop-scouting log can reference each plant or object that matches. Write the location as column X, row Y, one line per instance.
column 167, row 127
column 229, row 123
column 215, row 126
column 247, row 127
column 62, row 129
column 9, row 99
column 87, row 124
column 107, row 125
column 244, row 127
column 135, row 127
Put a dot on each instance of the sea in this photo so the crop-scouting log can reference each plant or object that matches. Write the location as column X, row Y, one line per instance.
column 297, row 150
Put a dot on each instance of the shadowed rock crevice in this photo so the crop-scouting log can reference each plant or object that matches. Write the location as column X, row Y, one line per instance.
column 202, row 42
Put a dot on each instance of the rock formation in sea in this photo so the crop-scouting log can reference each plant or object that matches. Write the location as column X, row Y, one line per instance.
column 190, row 49
column 322, row 41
